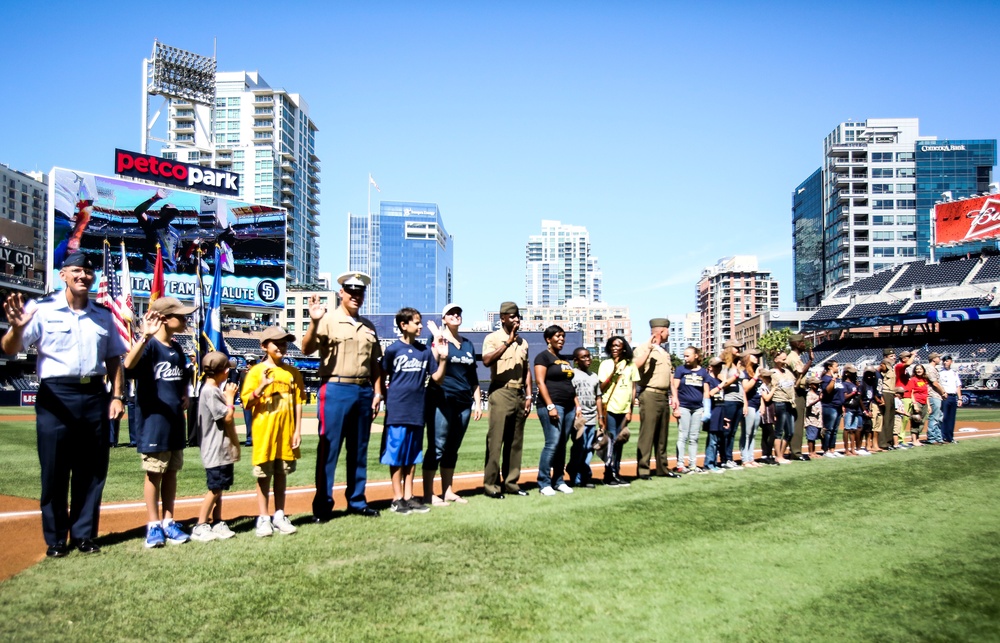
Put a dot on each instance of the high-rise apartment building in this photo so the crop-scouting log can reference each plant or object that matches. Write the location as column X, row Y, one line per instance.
column 559, row 266
column 266, row 136
column 685, row 330
column 409, row 255
column 597, row 321
column 729, row 292
column 24, row 199
column 879, row 181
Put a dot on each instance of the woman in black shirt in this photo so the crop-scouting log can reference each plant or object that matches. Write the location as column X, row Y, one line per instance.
column 557, row 405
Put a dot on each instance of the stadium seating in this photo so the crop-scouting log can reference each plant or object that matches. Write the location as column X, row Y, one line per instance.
column 948, row 304
column 946, row 273
column 876, row 308
column 870, row 285
column 990, row 272
column 827, row 313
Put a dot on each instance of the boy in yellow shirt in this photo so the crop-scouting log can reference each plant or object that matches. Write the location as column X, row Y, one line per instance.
column 275, row 393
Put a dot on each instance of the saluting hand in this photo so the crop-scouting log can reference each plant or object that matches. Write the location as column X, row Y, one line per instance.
column 152, row 321
column 17, row 316
column 316, row 308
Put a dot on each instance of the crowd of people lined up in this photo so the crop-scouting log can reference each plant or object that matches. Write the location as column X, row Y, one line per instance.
column 432, row 387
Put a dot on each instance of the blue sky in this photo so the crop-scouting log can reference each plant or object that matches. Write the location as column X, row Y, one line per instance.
column 674, row 133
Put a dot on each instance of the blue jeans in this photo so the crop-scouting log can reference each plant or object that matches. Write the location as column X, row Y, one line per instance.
column 831, row 420
column 688, row 430
column 613, row 461
column 552, row 463
column 934, row 419
column 579, row 456
column 733, row 411
column 712, row 450
column 949, row 407
column 750, row 423
column 446, row 430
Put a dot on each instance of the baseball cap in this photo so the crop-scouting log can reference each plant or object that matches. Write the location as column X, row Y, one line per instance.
column 171, row 306
column 509, row 308
column 276, row 334
column 450, row 307
column 214, row 363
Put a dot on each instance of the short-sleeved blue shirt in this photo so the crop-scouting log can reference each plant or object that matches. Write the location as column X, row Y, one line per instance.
column 460, row 377
column 691, row 386
column 160, row 384
column 408, row 367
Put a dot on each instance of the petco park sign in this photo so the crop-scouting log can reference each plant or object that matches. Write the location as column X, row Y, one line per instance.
column 968, row 219
column 175, row 173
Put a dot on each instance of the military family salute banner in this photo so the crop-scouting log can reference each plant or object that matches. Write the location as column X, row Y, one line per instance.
column 85, row 209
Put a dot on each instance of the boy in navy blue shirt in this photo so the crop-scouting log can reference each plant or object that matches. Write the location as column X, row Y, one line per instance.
column 408, row 364
column 157, row 363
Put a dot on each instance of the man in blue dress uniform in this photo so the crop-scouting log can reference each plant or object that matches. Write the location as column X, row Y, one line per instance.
column 78, row 345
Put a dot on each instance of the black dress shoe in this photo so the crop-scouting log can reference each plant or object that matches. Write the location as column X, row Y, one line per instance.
column 86, row 546
column 671, row 474
column 644, row 476
column 57, row 550
column 367, row 512
column 587, row 485
column 321, row 518
column 496, row 495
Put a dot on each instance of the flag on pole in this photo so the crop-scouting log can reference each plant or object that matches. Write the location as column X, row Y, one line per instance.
column 109, row 295
column 157, row 287
column 198, row 317
column 212, row 332
column 228, row 260
column 127, row 305
column 373, row 183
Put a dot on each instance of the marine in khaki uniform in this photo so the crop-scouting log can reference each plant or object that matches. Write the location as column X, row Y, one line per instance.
column 506, row 354
column 350, row 394
column 655, row 372
column 796, row 364
column 887, row 368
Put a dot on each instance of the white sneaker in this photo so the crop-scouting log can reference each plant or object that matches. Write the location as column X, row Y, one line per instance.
column 203, row 533
column 222, row 530
column 864, row 452
column 562, row 487
column 838, row 454
column 264, row 527
column 547, row 491
column 829, row 454
column 284, row 526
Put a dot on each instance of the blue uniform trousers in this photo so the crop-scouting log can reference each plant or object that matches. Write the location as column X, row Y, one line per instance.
column 72, row 426
column 345, row 415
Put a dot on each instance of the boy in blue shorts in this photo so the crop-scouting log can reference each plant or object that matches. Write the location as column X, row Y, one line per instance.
column 157, row 364
column 220, row 447
column 408, row 364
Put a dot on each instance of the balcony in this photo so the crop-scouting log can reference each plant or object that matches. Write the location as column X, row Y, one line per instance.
column 263, row 137
column 263, row 125
column 287, row 164
column 313, row 199
column 287, row 177
column 184, row 127
column 184, row 115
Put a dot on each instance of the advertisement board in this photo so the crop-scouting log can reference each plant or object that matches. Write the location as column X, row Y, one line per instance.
column 85, row 209
column 28, row 398
column 967, row 220
column 176, row 174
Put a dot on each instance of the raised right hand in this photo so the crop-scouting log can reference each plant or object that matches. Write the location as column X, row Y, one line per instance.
column 316, row 309
column 17, row 316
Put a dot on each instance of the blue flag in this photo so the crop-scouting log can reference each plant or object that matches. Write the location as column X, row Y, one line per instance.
column 211, row 334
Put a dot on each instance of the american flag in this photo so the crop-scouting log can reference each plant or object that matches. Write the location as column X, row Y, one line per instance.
column 109, row 295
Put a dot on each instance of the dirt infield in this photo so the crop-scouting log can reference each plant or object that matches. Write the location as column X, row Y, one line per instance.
column 21, row 518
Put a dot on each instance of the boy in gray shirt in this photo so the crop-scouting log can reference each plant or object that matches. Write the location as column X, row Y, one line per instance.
column 588, row 392
column 220, row 447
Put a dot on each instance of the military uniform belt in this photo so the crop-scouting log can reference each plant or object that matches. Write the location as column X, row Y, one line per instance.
column 360, row 381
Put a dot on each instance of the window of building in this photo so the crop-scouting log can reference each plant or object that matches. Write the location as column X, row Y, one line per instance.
column 906, row 235
column 881, row 188
column 881, row 157
column 234, row 101
column 906, row 219
column 904, row 157
column 906, row 204
column 882, row 235
column 905, row 188
column 907, row 252
column 883, row 219
column 233, row 138
column 883, row 252
column 881, row 172
column 882, row 204
column 905, row 173
column 263, row 154
column 291, row 326
column 238, row 154
column 220, row 102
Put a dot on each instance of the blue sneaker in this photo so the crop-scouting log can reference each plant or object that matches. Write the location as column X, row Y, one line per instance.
column 154, row 536
column 175, row 535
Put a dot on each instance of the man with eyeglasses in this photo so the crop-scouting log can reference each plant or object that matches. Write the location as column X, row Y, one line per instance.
column 506, row 355
column 78, row 346
column 350, row 394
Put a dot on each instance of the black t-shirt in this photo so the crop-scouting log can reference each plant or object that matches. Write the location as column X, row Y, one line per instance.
column 558, row 379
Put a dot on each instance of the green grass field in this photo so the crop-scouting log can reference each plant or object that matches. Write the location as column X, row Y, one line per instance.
column 20, row 474
column 898, row 547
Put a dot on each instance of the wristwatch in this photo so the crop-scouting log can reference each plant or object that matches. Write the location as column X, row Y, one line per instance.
column 550, row 407
column 120, row 398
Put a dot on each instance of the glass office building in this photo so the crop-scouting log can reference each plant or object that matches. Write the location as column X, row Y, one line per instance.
column 807, row 240
column 963, row 168
column 409, row 255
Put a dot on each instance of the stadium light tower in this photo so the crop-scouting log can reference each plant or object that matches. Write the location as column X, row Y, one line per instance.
column 180, row 75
